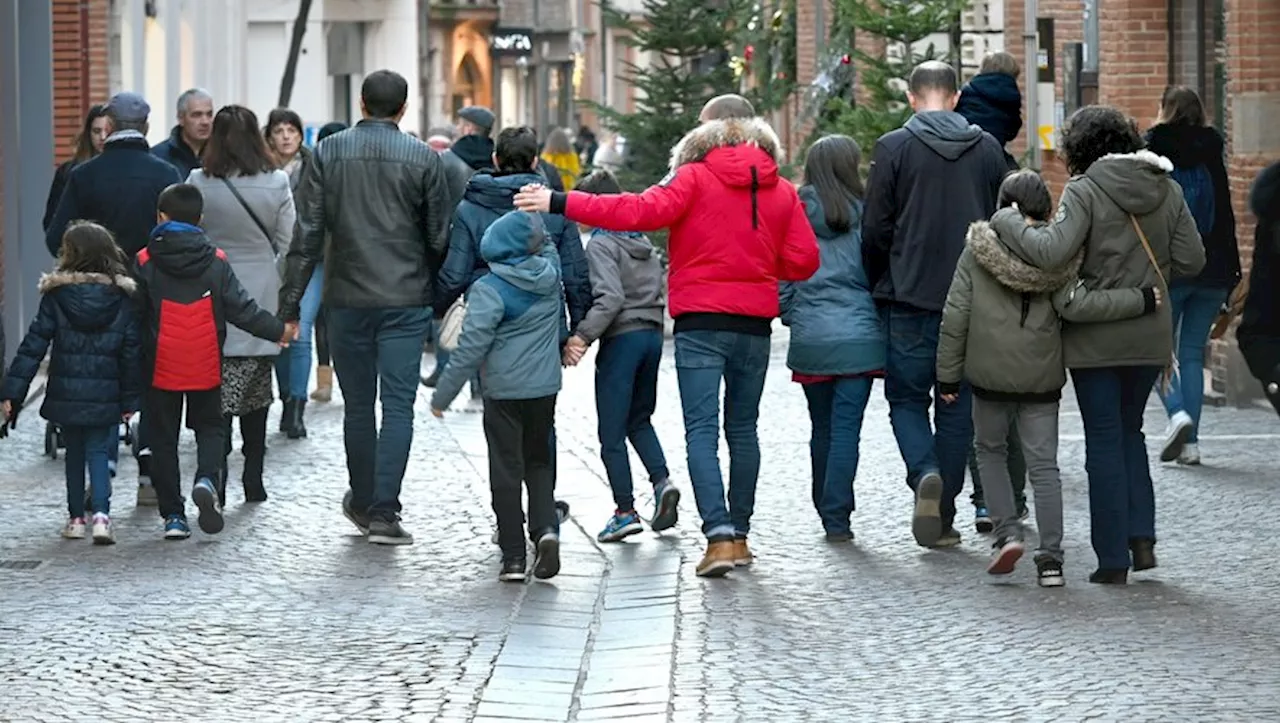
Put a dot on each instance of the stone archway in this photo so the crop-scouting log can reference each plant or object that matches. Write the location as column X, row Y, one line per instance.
column 472, row 77
column 468, row 84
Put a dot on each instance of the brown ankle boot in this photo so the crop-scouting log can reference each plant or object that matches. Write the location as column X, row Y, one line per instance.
column 718, row 560
column 324, row 385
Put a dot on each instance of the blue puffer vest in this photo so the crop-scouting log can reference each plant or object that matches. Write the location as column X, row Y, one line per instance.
column 835, row 328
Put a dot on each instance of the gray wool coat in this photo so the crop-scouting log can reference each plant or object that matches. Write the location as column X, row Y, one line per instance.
column 252, row 256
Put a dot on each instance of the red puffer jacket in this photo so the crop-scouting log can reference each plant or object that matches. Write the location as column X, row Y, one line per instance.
column 737, row 228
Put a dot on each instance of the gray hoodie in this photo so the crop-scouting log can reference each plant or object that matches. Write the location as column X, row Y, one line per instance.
column 626, row 282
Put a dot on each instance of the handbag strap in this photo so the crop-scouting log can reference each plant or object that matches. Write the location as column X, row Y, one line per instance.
column 1146, row 246
column 261, row 226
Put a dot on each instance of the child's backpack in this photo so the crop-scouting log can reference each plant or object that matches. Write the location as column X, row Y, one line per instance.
column 1197, row 189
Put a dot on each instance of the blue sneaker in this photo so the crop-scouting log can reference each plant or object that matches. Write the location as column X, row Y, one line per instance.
column 205, row 495
column 621, row 526
column 666, row 501
column 982, row 520
column 175, row 528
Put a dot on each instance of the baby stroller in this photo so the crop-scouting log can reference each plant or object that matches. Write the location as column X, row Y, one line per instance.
column 53, row 438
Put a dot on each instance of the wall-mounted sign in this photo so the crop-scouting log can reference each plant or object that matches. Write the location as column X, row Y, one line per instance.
column 511, row 42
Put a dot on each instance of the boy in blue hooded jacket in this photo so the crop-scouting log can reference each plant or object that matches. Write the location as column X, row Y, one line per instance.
column 511, row 335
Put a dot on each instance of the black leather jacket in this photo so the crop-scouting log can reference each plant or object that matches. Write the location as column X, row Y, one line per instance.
column 383, row 198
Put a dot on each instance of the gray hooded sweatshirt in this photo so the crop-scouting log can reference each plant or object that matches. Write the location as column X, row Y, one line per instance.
column 627, row 285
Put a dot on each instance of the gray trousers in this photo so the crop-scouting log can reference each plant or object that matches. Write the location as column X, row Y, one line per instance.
column 1038, row 428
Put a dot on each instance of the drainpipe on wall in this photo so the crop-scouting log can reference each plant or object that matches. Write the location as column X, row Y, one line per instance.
column 84, row 56
column 1032, row 75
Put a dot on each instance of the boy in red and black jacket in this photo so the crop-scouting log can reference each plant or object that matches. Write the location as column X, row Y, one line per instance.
column 188, row 292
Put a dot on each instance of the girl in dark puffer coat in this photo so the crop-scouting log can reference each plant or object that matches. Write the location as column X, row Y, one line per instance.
column 95, row 375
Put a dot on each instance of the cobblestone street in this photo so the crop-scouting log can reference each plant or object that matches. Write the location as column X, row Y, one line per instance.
column 290, row 616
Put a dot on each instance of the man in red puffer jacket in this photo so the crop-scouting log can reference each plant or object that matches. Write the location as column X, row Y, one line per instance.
column 737, row 229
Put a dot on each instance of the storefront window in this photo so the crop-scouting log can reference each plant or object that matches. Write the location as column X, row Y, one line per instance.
column 1197, row 53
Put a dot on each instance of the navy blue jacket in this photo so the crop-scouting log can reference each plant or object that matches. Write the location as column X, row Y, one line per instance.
column 993, row 102
column 95, row 376
column 488, row 198
column 118, row 189
column 177, row 153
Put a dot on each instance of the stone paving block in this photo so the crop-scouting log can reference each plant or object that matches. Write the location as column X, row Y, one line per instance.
column 607, row 680
column 525, row 711
column 618, row 712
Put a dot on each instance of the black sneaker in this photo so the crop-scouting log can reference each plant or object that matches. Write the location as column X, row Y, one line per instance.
column 1049, row 573
column 359, row 519
column 1109, row 576
column 547, row 563
column 1005, row 554
column 513, row 570
column 388, row 532
column 562, row 511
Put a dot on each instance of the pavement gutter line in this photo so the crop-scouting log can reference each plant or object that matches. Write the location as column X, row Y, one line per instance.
column 575, row 702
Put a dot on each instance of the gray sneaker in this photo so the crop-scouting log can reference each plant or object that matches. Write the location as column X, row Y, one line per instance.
column 948, row 538
column 926, row 519
column 147, row 495
column 357, row 518
column 388, row 532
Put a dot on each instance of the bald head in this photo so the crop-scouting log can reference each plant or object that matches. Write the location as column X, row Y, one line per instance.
column 726, row 107
column 933, row 86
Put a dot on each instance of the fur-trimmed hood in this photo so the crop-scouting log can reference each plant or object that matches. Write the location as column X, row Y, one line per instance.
column 740, row 133
column 88, row 300
column 1137, row 182
column 1012, row 272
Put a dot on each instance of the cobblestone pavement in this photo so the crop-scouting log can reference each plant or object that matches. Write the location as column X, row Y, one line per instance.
column 289, row 616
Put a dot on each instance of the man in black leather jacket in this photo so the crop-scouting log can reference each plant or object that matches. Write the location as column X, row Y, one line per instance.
column 382, row 197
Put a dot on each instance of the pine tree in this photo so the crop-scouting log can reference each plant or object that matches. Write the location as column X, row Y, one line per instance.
column 901, row 29
column 700, row 49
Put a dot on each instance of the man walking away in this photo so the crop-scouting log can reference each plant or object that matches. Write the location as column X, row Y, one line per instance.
column 119, row 189
column 929, row 180
column 737, row 229
column 382, row 196
column 186, row 141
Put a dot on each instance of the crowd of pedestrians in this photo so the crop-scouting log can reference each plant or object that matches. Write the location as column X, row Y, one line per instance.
column 947, row 273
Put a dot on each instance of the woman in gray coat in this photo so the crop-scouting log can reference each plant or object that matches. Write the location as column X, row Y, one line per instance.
column 249, row 214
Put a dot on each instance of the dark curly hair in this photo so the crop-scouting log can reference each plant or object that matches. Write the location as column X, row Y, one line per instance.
column 1095, row 131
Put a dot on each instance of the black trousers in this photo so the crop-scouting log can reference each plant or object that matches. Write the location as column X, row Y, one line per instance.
column 163, row 421
column 321, row 330
column 517, row 431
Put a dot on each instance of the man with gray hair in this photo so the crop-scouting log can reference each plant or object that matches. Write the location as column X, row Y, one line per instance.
column 186, row 140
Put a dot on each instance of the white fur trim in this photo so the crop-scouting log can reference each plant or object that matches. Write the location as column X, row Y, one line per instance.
column 1143, row 156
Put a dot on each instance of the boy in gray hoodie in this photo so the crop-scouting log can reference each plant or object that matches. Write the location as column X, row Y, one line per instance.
column 626, row 316
column 511, row 336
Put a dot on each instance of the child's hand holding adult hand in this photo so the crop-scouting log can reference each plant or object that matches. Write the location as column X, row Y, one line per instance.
column 290, row 334
column 437, row 413
column 950, row 398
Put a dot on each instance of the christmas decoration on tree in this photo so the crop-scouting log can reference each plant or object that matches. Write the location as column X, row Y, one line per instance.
column 699, row 49
column 904, row 34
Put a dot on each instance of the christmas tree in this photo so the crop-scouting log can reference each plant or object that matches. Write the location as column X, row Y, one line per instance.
column 902, row 33
column 699, row 50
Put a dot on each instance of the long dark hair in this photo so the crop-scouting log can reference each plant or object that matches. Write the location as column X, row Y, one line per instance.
column 84, row 139
column 236, row 146
column 1181, row 106
column 831, row 167
column 90, row 248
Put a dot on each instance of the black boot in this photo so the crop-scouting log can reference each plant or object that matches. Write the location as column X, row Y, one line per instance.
column 221, row 481
column 253, row 427
column 297, row 426
column 430, row 380
column 286, row 416
column 1144, row 553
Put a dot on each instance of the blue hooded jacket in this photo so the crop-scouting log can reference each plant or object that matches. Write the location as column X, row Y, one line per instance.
column 488, row 197
column 835, row 327
column 515, row 314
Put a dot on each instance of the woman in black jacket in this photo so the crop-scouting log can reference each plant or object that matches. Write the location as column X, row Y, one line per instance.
column 89, row 143
column 1259, row 332
column 1198, row 155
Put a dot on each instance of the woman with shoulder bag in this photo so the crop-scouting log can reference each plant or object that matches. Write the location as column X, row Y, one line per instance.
column 1128, row 215
column 249, row 214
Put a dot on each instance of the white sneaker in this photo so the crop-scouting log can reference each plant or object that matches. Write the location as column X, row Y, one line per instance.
column 1175, row 438
column 74, row 529
column 103, row 534
column 1190, row 454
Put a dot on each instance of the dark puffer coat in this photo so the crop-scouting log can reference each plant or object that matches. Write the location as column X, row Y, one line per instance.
column 1259, row 332
column 95, row 376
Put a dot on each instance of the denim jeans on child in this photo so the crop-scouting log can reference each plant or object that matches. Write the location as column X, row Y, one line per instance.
column 626, row 397
column 1194, row 307
column 703, row 360
column 1038, row 435
column 89, row 447
column 835, row 410
column 293, row 365
column 1122, row 505
column 910, row 387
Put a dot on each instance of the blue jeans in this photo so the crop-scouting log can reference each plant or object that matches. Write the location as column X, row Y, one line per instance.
column 626, row 397
column 378, row 349
column 910, row 387
column 293, row 365
column 1122, row 504
column 1194, row 307
column 835, row 409
column 91, row 447
column 703, row 359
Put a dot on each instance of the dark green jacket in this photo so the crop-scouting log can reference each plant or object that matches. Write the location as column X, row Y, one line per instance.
column 1095, row 214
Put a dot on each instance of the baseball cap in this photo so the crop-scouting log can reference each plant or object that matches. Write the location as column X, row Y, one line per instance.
column 127, row 106
column 481, row 116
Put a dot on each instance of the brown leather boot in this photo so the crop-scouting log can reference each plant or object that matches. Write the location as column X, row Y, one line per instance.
column 324, row 385
column 742, row 556
column 718, row 560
